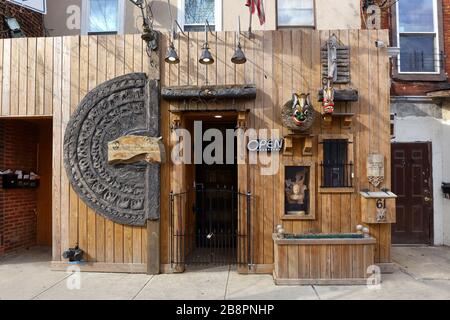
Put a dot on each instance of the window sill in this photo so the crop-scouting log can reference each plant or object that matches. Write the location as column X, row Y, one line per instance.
column 419, row 77
column 336, row 190
column 297, row 217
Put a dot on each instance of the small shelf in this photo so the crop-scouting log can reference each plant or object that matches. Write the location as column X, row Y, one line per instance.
column 289, row 144
column 337, row 190
column 350, row 95
column 347, row 118
column 296, row 217
column 11, row 181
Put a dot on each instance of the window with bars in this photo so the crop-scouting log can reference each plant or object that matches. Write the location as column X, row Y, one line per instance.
column 336, row 168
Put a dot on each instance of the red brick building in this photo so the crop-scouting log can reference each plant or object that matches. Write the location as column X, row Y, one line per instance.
column 31, row 23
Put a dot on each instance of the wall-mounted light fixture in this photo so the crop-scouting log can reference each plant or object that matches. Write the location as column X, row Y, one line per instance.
column 14, row 27
column 149, row 35
column 239, row 56
column 206, row 56
column 172, row 56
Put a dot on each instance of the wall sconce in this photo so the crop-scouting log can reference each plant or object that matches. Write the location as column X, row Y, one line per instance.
column 149, row 35
column 206, row 56
column 14, row 27
column 239, row 56
column 172, row 55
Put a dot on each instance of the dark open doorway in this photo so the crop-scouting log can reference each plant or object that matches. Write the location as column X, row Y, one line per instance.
column 215, row 204
column 207, row 219
column 26, row 184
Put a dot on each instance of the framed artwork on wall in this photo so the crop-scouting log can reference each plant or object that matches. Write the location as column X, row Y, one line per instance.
column 299, row 192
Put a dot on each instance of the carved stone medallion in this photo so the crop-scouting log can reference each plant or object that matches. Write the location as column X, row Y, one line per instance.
column 375, row 169
column 128, row 194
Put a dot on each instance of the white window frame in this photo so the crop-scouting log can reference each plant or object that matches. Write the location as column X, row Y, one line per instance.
column 85, row 11
column 436, row 40
column 217, row 14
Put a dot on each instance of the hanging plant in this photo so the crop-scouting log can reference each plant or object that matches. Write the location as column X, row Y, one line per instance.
column 298, row 114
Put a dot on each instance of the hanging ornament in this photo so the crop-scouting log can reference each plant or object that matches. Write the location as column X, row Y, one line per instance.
column 328, row 97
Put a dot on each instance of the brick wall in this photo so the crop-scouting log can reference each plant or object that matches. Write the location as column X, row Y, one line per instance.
column 18, row 151
column 31, row 23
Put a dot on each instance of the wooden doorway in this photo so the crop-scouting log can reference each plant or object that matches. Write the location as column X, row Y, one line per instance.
column 209, row 217
column 412, row 182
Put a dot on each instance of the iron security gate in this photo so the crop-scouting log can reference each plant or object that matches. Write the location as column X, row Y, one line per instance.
column 210, row 226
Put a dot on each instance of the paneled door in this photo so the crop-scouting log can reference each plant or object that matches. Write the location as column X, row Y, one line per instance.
column 412, row 182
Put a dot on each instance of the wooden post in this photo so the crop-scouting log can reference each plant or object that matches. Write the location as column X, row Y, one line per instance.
column 153, row 257
column 153, row 226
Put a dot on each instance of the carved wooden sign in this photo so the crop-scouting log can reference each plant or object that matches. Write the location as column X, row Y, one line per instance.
column 375, row 169
column 126, row 191
column 133, row 149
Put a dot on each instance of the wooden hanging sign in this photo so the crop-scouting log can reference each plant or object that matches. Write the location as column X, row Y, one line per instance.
column 132, row 149
column 375, row 169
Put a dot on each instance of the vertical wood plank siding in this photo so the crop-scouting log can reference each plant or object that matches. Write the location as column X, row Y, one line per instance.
column 49, row 77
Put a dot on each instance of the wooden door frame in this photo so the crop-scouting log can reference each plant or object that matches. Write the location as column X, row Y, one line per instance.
column 429, row 145
column 179, row 120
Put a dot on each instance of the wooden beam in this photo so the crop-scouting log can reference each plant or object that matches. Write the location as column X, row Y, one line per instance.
column 288, row 146
column 342, row 95
column 327, row 120
column 307, row 146
column 153, row 243
column 237, row 92
column 439, row 94
column 348, row 121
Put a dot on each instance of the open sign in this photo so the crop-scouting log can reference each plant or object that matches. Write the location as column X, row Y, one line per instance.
column 265, row 145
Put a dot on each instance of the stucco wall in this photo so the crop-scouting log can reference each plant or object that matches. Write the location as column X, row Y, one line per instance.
column 57, row 17
column 330, row 15
column 422, row 114
column 338, row 15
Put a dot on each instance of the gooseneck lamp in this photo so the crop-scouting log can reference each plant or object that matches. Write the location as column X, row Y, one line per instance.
column 239, row 56
column 206, row 56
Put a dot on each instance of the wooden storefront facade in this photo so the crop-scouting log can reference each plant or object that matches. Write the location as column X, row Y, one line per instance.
column 48, row 77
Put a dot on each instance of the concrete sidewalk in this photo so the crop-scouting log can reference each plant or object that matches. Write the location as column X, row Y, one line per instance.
column 420, row 273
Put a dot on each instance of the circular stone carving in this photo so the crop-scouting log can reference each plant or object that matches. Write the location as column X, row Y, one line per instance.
column 126, row 194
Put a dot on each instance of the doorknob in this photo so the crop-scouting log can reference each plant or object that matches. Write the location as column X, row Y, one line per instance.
column 427, row 199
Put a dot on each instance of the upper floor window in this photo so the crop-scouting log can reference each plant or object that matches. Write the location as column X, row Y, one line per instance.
column 418, row 36
column 103, row 16
column 295, row 13
column 194, row 13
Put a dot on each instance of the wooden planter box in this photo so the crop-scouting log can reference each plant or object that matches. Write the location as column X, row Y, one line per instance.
column 322, row 261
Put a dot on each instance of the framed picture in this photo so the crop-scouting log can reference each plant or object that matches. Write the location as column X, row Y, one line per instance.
column 299, row 192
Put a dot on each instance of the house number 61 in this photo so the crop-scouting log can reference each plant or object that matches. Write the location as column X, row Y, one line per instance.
column 381, row 204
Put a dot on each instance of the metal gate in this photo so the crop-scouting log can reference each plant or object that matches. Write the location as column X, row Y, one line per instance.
column 210, row 226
